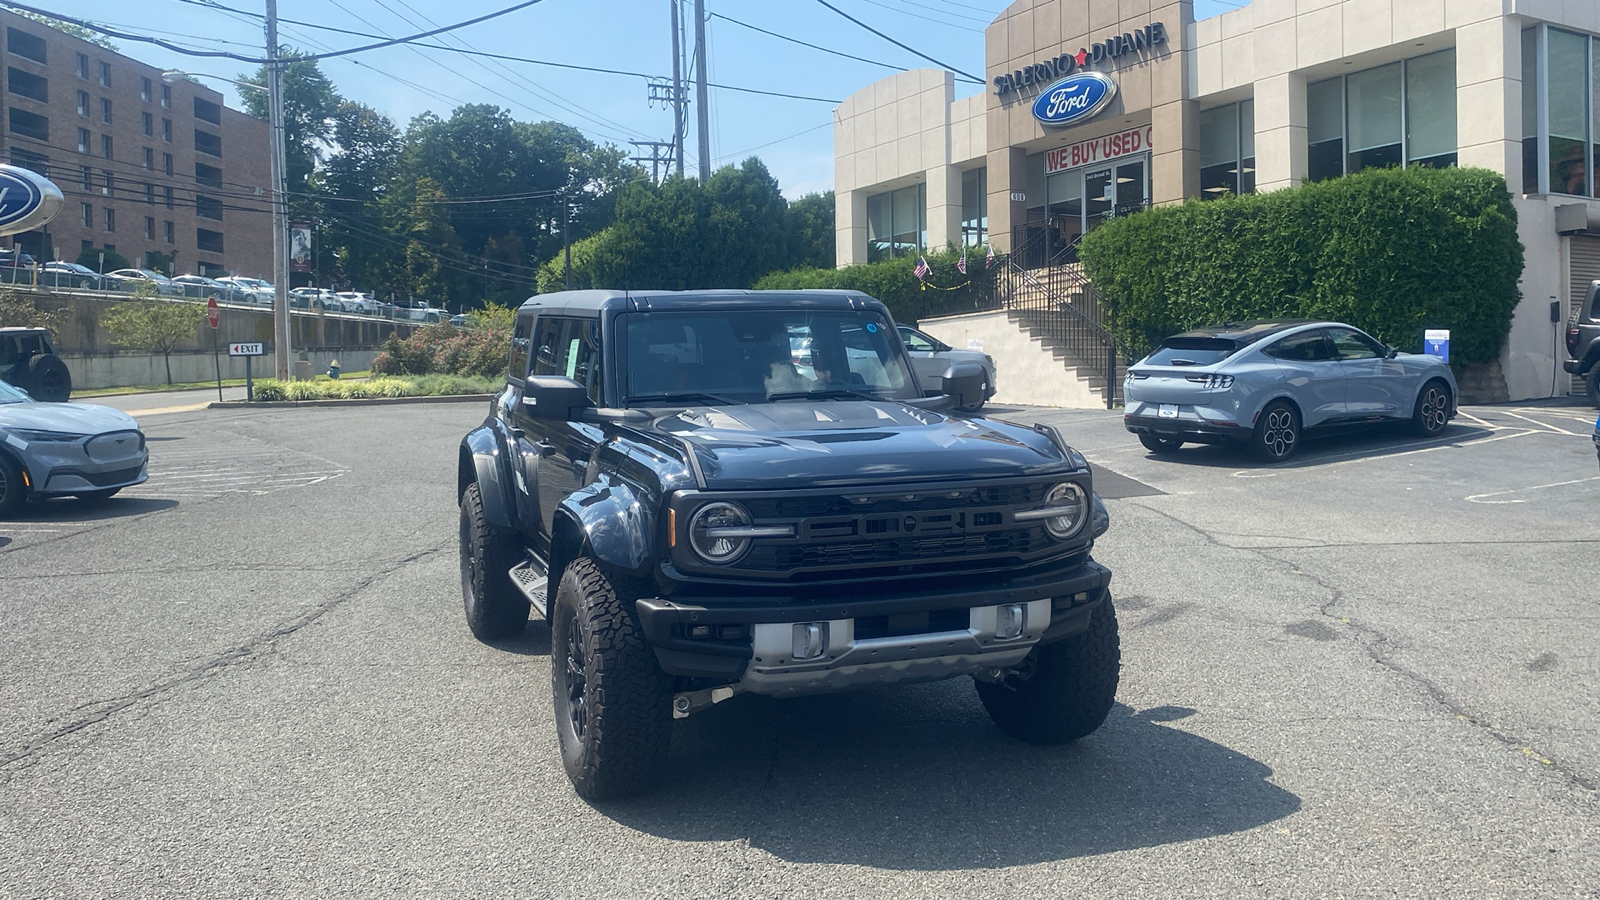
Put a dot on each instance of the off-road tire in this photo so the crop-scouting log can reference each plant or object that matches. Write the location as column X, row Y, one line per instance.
column 1277, row 433
column 49, row 379
column 97, row 496
column 1591, row 385
column 13, row 493
column 1432, row 410
column 1062, row 691
column 1160, row 445
column 612, row 701
column 495, row 609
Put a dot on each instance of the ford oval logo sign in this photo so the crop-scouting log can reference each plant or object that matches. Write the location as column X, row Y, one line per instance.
column 27, row 200
column 1074, row 98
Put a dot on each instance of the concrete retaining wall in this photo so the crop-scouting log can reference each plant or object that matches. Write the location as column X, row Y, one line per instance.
column 1027, row 373
column 115, row 369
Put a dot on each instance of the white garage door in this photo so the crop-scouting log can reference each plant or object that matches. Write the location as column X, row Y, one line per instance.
column 1585, row 268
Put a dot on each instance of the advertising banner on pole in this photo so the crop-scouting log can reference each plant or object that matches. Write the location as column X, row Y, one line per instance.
column 300, row 247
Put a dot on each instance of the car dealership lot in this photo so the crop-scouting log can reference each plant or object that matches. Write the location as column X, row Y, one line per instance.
column 1371, row 670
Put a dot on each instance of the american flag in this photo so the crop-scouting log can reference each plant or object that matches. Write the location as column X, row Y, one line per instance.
column 923, row 269
column 989, row 260
column 961, row 264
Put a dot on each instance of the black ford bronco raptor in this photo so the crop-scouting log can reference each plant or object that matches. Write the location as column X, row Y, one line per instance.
column 720, row 492
column 1583, row 344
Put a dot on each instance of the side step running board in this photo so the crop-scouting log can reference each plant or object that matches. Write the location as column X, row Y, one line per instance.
column 529, row 577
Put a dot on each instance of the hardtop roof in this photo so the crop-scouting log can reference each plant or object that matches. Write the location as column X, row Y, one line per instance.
column 593, row 302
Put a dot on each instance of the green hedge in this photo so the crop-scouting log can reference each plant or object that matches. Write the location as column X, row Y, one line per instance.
column 1390, row 251
column 892, row 282
column 418, row 386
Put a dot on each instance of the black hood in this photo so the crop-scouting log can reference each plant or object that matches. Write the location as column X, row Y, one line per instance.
column 798, row 445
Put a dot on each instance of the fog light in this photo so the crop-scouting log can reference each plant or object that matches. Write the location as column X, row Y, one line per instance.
column 1009, row 620
column 810, row 640
column 700, row 631
column 731, row 632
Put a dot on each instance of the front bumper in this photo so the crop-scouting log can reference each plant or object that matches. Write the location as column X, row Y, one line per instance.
column 98, row 463
column 911, row 636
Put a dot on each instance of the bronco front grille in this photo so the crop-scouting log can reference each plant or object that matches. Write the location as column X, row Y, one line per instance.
column 914, row 529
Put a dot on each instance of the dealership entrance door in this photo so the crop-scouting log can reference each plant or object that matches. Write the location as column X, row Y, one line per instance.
column 1078, row 201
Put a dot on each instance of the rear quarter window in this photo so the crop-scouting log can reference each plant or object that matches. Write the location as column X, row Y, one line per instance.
column 1192, row 352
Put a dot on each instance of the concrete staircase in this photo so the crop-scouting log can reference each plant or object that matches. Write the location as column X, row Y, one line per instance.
column 1054, row 332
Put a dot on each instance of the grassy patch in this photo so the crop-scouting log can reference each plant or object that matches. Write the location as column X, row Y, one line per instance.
column 382, row 386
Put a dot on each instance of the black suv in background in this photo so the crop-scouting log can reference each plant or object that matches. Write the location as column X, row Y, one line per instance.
column 721, row 492
column 1583, row 344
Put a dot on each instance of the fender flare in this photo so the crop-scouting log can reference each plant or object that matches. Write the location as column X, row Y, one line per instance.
column 483, row 461
column 615, row 524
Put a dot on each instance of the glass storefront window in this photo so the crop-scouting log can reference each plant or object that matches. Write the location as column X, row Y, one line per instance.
column 1372, row 115
column 1431, row 110
column 1594, row 116
column 1325, row 129
column 1569, row 112
column 1219, row 151
column 1247, row 146
column 1530, row 110
column 975, row 207
column 897, row 222
column 1399, row 114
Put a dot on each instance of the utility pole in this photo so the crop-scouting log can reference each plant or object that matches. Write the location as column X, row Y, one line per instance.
column 678, row 93
column 660, row 153
column 700, row 89
column 280, row 212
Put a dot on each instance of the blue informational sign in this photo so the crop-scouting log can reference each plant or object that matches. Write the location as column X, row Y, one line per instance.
column 1436, row 342
column 27, row 200
column 1073, row 99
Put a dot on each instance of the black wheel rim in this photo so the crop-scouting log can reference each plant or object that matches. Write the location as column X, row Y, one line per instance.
column 1278, row 435
column 469, row 565
column 577, row 705
column 1435, row 409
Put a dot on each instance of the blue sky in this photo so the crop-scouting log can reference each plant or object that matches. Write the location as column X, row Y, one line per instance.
column 791, row 136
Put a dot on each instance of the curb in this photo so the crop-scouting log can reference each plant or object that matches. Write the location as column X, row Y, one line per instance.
column 371, row 401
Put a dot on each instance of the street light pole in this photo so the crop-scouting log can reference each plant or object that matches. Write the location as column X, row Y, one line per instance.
column 280, row 212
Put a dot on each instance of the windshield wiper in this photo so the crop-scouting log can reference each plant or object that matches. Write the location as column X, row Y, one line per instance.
column 830, row 393
column 684, row 396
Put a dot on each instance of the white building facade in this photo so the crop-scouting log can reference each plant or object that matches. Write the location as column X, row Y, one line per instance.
column 1267, row 96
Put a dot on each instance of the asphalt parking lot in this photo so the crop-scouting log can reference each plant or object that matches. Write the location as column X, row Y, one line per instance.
column 1371, row 671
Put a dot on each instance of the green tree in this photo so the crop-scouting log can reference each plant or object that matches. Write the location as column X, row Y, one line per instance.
column 353, row 181
column 310, row 104
column 147, row 323
column 22, row 311
column 432, row 253
column 77, row 31
column 808, row 225
column 90, row 258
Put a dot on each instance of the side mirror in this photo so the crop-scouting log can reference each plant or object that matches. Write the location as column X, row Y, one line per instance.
column 1393, row 352
column 552, row 397
column 968, row 383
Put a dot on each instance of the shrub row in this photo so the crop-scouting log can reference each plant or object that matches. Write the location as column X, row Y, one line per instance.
column 446, row 350
column 893, row 282
column 422, row 386
column 1391, row 251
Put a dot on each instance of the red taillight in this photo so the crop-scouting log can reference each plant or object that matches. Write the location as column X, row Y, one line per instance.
column 1572, row 339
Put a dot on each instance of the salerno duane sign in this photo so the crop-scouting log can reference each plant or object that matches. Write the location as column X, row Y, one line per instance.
column 1117, row 45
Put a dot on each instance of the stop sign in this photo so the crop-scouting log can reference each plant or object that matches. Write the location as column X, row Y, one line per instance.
column 212, row 315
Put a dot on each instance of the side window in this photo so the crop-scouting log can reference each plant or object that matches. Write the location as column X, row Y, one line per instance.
column 519, row 348
column 1312, row 346
column 1354, row 345
column 571, row 347
column 917, row 342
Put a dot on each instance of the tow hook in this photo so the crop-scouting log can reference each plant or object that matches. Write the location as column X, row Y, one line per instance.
column 690, row 702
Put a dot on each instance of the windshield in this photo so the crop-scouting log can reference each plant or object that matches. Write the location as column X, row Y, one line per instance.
column 10, row 394
column 753, row 356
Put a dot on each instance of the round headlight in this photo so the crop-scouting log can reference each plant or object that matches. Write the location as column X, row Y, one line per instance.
column 707, row 537
column 1069, row 499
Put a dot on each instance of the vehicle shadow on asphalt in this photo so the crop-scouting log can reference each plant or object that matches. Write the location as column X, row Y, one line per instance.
column 67, row 509
column 1373, row 443
column 918, row 778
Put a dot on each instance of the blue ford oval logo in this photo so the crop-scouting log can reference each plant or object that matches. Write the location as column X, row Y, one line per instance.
column 27, row 200
column 1074, row 98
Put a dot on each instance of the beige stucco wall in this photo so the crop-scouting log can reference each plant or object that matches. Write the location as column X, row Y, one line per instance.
column 1266, row 51
column 1025, row 372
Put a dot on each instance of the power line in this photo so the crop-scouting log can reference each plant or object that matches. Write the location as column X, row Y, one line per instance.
column 147, row 39
column 791, row 40
column 972, row 78
column 770, row 143
column 903, row 12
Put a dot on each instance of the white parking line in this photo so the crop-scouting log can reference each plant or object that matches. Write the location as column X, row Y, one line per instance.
column 1539, row 423
column 1479, row 498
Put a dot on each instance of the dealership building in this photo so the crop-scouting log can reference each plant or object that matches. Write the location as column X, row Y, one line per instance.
column 1092, row 109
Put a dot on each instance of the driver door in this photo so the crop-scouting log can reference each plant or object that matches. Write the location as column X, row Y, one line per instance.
column 568, row 347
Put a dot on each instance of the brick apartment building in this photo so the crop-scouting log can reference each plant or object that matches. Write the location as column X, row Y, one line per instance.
column 145, row 166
